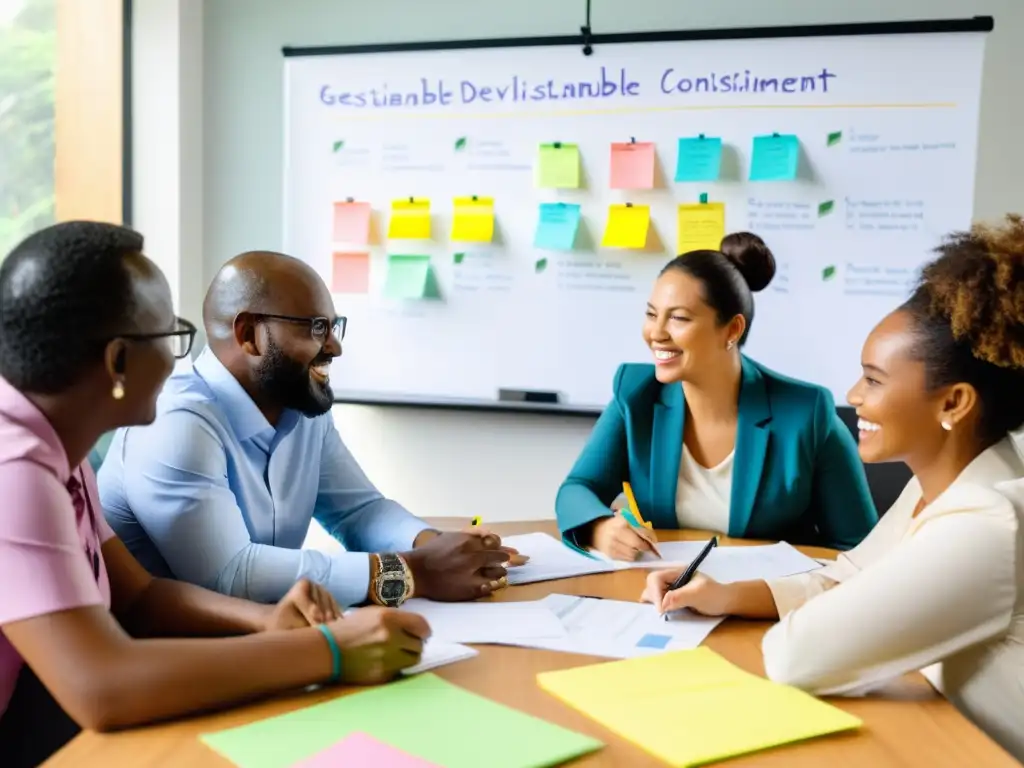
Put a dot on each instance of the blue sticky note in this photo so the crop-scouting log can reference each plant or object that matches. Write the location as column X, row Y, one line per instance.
column 654, row 641
column 557, row 226
column 775, row 158
column 699, row 159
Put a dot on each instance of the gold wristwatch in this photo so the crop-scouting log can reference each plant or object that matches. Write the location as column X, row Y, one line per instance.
column 392, row 582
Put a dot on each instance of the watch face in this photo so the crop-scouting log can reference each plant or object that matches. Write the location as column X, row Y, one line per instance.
column 392, row 589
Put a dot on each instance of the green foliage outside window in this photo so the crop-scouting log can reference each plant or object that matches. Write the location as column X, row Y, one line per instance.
column 28, row 51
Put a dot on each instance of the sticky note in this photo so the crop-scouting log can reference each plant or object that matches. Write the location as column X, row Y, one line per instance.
column 632, row 165
column 775, row 158
column 627, row 226
column 653, row 641
column 441, row 723
column 707, row 710
column 701, row 227
column 352, row 223
column 557, row 226
column 410, row 220
column 410, row 277
column 362, row 749
column 558, row 165
column 350, row 272
column 473, row 220
column 699, row 159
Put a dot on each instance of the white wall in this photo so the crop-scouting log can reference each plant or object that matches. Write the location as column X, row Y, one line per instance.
column 502, row 466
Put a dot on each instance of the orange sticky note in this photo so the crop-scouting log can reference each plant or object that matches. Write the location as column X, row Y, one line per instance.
column 352, row 223
column 632, row 165
column 350, row 272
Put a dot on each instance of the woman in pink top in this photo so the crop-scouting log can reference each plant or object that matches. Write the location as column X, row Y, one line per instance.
column 87, row 338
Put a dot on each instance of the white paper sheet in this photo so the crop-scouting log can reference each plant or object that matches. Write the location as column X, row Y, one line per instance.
column 550, row 559
column 486, row 622
column 728, row 564
column 621, row 630
column 438, row 653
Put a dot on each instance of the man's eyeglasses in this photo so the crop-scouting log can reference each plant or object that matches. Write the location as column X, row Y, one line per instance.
column 179, row 340
column 319, row 327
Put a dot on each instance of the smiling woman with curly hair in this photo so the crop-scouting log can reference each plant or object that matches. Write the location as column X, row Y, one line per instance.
column 938, row 585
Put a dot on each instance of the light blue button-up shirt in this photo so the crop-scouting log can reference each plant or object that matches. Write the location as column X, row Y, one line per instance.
column 212, row 494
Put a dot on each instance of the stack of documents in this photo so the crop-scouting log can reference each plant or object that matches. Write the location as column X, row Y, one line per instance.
column 694, row 707
column 551, row 559
column 494, row 623
column 621, row 630
column 421, row 717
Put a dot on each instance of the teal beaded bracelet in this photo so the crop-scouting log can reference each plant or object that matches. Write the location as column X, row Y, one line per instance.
column 335, row 653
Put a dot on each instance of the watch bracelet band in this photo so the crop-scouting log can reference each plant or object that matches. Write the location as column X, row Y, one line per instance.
column 391, row 567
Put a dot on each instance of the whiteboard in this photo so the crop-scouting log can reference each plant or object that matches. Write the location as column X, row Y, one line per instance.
column 887, row 127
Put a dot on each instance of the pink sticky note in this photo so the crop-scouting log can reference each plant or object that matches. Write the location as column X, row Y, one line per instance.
column 352, row 223
column 359, row 749
column 632, row 165
column 350, row 272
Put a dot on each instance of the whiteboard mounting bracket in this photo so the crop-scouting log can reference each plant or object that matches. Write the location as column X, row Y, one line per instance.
column 586, row 32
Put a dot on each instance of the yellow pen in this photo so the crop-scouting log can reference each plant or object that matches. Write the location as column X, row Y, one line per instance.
column 631, row 500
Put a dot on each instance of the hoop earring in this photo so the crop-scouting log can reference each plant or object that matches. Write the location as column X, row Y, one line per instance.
column 118, row 391
column 947, row 426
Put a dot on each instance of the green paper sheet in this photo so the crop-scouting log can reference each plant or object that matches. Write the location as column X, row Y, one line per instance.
column 410, row 277
column 424, row 716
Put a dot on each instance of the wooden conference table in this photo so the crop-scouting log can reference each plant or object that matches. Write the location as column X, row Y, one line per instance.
column 912, row 726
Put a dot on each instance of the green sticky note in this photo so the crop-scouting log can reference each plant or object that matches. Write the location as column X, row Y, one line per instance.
column 337, row 145
column 828, row 272
column 558, row 165
column 825, row 208
column 460, row 143
column 540, row 265
column 834, row 138
column 424, row 716
column 410, row 277
column 458, row 258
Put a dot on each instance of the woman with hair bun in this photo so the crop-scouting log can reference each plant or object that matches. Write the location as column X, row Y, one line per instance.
column 707, row 437
column 938, row 585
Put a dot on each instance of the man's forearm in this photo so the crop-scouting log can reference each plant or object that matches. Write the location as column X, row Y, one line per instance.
column 175, row 608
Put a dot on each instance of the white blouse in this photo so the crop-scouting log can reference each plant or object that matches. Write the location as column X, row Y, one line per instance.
column 703, row 493
column 942, row 593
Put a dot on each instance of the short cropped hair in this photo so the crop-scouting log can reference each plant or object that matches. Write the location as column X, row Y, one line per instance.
column 65, row 291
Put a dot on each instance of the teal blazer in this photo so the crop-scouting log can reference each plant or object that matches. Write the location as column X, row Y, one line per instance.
column 797, row 476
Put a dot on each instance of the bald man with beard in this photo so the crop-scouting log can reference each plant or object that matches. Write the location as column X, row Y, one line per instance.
column 220, row 490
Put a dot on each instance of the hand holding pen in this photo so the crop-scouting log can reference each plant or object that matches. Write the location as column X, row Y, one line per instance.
column 678, row 588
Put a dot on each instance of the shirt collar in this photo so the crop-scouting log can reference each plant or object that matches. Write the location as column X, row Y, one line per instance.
column 26, row 433
column 246, row 419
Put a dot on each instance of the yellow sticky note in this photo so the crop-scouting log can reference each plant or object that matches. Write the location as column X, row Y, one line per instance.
column 694, row 707
column 627, row 226
column 473, row 220
column 701, row 227
column 558, row 165
column 410, row 220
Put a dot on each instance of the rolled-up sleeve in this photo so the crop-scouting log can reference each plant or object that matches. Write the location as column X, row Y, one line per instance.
column 176, row 482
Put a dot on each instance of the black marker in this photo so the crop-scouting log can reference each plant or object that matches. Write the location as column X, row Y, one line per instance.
column 691, row 570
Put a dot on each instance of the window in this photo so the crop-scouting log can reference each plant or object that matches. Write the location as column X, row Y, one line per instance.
column 28, row 51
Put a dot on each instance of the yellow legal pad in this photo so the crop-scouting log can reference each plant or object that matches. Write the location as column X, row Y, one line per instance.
column 694, row 707
column 473, row 221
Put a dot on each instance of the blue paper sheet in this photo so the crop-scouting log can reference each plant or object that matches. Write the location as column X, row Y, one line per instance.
column 775, row 158
column 557, row 226
column 699, row 159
